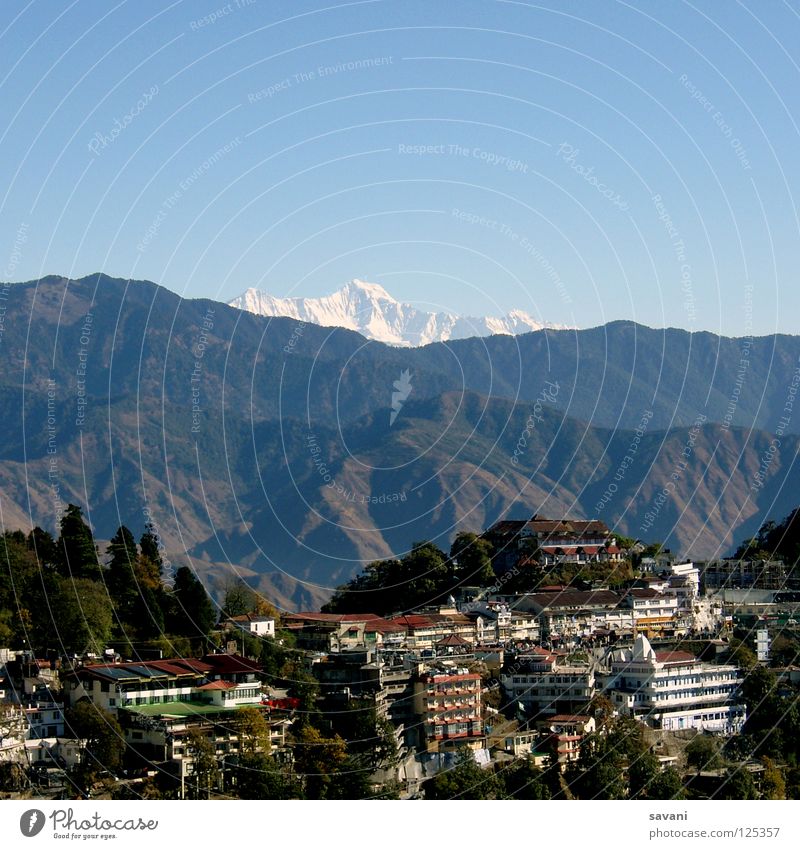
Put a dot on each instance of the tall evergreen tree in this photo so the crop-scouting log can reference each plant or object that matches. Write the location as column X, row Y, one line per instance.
column 121, row 580
column 134, row 584
column 45, row 547
column 192, row 613
column 149, row 546
column 76, row 549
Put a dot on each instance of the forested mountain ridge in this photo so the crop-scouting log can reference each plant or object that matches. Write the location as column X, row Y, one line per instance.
column 268, row 446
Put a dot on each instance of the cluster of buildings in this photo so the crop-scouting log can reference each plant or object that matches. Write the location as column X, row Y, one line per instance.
column 427, row 674
column 668, row 690
column 32, row 730
column 660, row 606
column 158, row 704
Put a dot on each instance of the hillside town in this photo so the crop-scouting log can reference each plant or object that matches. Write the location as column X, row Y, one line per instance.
column 543, row 658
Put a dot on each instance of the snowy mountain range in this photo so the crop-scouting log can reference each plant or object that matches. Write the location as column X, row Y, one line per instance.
column 369, row 309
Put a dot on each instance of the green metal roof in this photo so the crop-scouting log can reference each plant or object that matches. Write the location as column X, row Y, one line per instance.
column 180, row 708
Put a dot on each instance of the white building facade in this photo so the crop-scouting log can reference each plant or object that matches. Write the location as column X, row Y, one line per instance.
column 674, row 690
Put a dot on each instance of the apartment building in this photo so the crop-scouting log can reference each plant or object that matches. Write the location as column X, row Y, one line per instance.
column 424, row 630
column 568, row 613
column 544, row 683
column 159, row 733
column 566, row 733
column 447, row 702
column 44, row 719
column 525, row 627
column 653, row 612
column 34, row 733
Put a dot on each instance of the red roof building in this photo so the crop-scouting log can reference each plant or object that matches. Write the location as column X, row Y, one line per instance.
column 552, row 541
column 448, row 704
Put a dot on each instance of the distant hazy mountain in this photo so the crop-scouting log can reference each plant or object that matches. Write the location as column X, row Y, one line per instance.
column 371, row 311
column 294, row 455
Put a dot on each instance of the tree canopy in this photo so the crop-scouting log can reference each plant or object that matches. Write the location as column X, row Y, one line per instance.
column 425, row 575
column 779, row 540
column 192, row 612
column 76, row 547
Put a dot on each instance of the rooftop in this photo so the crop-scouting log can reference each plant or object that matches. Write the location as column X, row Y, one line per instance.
column 180, row 709
column 249, row 617
column 452, row 640
column 540, row 525
column 675, row 657
column 230, row 664
column 645, row 593
column 215, row 664
column 218, row 685
column 575, row 598
column 370, row 620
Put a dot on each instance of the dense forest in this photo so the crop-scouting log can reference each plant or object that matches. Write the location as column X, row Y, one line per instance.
column 61, row 596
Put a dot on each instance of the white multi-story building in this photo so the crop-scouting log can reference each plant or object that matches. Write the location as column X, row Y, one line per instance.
column 762, row 645
column 673, row 690
column 568, row 613
column 524, row 627
column 689, row 573
column 45, row 719
column 653, row 612
column 545, row 685
column 218, row 679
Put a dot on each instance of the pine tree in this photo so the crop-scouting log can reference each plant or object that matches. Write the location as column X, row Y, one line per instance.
column 41, row 542
column 193, row 613
column 150, row 547
column 76, row 549
column 121, row 580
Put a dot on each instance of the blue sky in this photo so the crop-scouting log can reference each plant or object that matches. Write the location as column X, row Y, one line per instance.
column 581, row 161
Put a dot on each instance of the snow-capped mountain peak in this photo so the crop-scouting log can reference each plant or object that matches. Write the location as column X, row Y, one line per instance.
column 371, row 290
column 369, row 309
